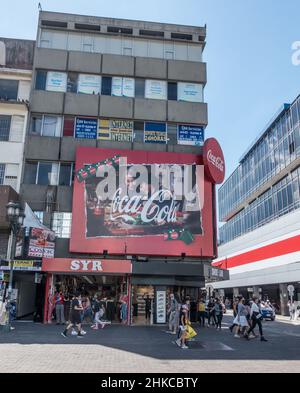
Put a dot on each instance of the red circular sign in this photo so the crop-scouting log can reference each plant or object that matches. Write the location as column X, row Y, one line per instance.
column 214, row 162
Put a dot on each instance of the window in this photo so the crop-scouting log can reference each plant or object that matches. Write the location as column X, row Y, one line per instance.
column 8, row 89
column 46, row 125
column 190, row 92
column 40, row 80
column 89, row 84
column 152, row 33
column 56, row 81
column 156, row 89
column 4, row 127
column 65, row 174
column 172, row 134
column 54, row 23
column 36, row 124
column 172, row 91
column 140, row 88
column 61, row 224
column 119, row 30
column 68, row 126
column 47, row 173
column 106, row 85
column 139, row 131
column 84, row 26
column 72, row 82
column 30, row 172
column 2, row 173
column 181, row 36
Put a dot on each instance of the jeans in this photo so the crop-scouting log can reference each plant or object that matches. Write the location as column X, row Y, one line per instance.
column 60, row 313
column 254, row 323
column 213, row 316
column 172, row 321
column 201, row 318
column 219, row 320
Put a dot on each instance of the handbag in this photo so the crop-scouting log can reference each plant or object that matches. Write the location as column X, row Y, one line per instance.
column 190, row 332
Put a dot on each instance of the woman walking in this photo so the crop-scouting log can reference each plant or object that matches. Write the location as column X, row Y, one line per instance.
column 241, row 319
column 219, row 311
column 256, row 319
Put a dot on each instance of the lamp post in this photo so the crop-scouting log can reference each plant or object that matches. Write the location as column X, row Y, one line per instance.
column 15, row 215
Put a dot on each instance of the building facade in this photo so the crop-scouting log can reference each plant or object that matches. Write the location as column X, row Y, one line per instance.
column 259, row 203
column 103, row 89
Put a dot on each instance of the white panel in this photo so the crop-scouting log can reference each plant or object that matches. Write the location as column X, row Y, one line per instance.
column 11, row 175
column 156, row 49
column 17, row 129
column 141, row 48
column 156, row 89
column 46, row 39
column 100, row 44
column 127, row 47
column 74, row 41
column 56, row 81
column 116, row 88
column 59, row 40
column 128, row 87
column 89, row 84
column 24, row 90
column 195, row 52
column 2, row 54
column 114, row 46
column 190, row 92
column 181, row 51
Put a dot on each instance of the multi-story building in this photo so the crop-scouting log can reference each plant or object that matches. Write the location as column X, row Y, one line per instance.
column 260, row 201
column 103, row 87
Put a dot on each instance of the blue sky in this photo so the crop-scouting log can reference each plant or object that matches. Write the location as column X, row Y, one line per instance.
column 250, row 72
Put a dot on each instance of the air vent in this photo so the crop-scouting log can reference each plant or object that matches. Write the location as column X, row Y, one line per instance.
column 152, row 33
column 119, row 30
column 179, row 36
column 54, row 23
column 83, row 26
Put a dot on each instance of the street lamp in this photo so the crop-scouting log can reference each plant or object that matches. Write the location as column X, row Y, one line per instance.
column 15, row 215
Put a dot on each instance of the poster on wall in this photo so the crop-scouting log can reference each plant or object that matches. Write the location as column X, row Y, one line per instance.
column 128, row 87
column 41, row 243
column 86, row 128
column 156, row 90
column 104, row 130
column 161, row 309
column 154, row 222
column 155, row 133
column 190, row 92
column 121, row 130
column 89, row 84
column 56, row 81
column 190, row 135
column 117, row 86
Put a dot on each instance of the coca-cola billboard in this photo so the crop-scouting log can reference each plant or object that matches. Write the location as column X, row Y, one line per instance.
column 214, row 162
column 136, row 207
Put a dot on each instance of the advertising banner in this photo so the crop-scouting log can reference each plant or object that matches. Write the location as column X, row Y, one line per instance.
column 22, row 265
column 155, row 133
column 86, row 128
column 41, row 243
column 117, row 86
column 161, row 306
column 89, row 84
column 128, row 87
column 115, row 130
column 56, row 81
column 190, row 135
column 156, row 89
column 20, row 243
column 190, row 92
column 154, row 222
column 104, row 130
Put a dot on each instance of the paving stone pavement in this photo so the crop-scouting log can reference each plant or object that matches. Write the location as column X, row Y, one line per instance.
column 40, row 348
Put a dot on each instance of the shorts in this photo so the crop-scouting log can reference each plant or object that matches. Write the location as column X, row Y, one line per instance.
column 75, row 319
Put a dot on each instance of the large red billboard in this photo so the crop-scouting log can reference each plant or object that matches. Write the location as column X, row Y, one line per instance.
column 157, row 221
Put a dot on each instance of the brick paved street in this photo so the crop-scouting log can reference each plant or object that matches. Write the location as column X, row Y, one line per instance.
column 39, row 348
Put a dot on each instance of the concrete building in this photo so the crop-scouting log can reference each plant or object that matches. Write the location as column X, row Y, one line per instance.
column 260, row 201
column 103, row 86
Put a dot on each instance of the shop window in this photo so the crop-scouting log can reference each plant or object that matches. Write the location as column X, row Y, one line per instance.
column 139, row 131
column 40, row 80
column 140, row 88
column 172, row 91
column 5, row 122
column 47, row 173
column 65, row 174
column 106, row 85
column 68, row 126
column 30, row 172
column 61, row 224
column 8, row 89
column 72, row 82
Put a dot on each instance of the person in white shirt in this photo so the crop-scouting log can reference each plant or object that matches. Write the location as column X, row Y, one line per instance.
column 256, row 317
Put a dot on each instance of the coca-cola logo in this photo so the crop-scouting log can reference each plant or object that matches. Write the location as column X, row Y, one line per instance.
column 216, row 161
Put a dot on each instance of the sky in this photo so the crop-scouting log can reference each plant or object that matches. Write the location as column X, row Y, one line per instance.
column 248, row 53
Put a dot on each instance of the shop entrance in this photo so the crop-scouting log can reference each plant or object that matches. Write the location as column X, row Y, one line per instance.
column 109, row 289
column 142, row 304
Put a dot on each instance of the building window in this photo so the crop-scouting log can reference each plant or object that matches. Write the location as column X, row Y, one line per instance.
column 46, row 125
column 47, row 173
column 2, row 173
column 106, row 85
column 9, row 89
column 5, row 122
column 30, row 172
column 140, row 88
column 40, row 80
column 72, row 82
column 65, row 174
column 139, row 131
column 61, row 224
column 172, row 91
column 68, row 126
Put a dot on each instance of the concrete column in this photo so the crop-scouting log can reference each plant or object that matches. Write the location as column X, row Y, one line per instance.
column 284, row 298
column 256, row 292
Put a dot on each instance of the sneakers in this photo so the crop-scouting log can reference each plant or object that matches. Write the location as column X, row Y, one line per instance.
column 178, row 343
column 64, row 335
column 263, row 339
column 82, row 333
column 237, row 336
column 184, row 347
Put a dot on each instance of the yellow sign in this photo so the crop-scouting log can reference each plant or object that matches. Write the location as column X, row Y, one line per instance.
column 103, row 130
column 115, row 130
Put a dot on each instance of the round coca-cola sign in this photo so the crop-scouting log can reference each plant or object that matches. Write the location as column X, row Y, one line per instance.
column 214, row 162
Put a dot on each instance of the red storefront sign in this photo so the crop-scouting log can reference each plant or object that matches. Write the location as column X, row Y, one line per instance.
column 95, row 266
column 214, row 162
column 98, row 226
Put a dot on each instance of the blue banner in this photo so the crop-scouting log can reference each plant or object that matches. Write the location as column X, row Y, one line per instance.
column 190, row 135
column 155, row 133
column 86, row 128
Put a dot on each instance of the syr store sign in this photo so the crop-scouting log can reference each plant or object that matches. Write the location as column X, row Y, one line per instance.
column 86, row 266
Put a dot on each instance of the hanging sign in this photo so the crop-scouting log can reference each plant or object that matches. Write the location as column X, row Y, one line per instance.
column 86, row 128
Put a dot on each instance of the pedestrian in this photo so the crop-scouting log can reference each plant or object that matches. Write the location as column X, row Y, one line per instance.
column 256, row 319
column 58, row 301
column 99, row 313
column 241, row 319
column 148, row 305
column 183, row 323
column 227, row 304
column 292, row 309
column 211, row 312
column 234, row 306
column 76, row 310
column 123, row 309
column 219, row 311
column 201, row 312
column 173, row 315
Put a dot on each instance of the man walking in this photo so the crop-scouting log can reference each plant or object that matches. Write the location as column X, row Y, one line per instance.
column 76, row 310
